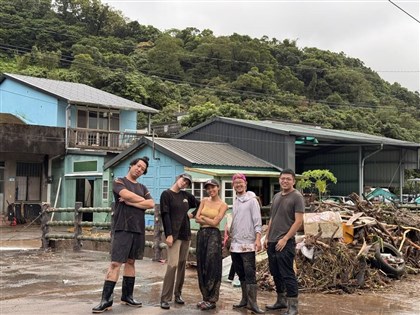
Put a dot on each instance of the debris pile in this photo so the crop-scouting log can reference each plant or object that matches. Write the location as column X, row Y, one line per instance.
column 384, row 244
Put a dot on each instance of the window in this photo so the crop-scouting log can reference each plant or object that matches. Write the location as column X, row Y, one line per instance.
column 97, row 119
column 105, row 185
column 114, row 121
column 276, row 189
column 227, row 193
column 93, row 120
column 85, row 166
column 197, row 189
column 98, row 123
column 82, row 119
column 28, row 181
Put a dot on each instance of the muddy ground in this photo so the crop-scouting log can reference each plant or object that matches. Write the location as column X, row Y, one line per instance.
column 34, row 281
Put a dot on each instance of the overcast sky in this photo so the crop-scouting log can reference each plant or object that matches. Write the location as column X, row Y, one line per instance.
column 378, row 33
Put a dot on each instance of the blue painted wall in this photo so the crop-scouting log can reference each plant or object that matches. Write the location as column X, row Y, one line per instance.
column 30, row 105
column 128, row 120
column 160, row 174
column 61, row 113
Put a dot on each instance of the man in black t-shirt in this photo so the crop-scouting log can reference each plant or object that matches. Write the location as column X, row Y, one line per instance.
column 174, row 205
column 128, row 233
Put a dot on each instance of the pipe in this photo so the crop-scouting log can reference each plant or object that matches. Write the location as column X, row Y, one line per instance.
column 153, row 146
column 362, row 168
column 49, row 175
column 67, row 119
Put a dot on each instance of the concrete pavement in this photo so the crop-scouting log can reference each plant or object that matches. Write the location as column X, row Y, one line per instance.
column 35, row 282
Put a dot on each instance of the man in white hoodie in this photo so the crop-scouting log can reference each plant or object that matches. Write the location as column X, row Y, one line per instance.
column 245, row 234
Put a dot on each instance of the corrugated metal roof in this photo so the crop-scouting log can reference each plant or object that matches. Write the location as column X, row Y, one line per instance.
column 300, row 130
column 201, row 154
column 207, row 153
column 230, row 172
column 77, row 93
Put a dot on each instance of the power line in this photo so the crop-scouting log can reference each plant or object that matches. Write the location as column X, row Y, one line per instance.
column 251, row 94
column 180, row 80
column 192, row 55
column 405, row 11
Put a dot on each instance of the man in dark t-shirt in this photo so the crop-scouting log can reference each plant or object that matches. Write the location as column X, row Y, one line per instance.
column 286, row 217
column 128, row 233
column 174, row 205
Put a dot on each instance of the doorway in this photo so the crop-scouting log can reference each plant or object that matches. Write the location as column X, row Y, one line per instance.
column 261, row 187
column 84, row 194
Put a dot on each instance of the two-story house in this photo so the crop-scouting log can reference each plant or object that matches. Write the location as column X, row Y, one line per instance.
column 55, row 137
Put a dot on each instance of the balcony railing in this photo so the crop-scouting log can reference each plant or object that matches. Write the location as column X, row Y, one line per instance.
column 102, row 139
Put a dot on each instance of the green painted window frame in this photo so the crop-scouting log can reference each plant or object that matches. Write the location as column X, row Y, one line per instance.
column 85, row 166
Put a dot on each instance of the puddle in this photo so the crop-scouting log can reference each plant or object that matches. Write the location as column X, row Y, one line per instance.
column 20, row 245
column 31, row 276
column 16, row 248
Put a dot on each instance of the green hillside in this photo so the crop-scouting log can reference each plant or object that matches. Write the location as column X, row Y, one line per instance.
column 194, row 71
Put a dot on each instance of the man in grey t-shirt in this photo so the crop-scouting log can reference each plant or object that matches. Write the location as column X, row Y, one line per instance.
column 286, row 217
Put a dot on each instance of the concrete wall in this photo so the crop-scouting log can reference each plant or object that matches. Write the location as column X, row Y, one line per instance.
column 28, row 139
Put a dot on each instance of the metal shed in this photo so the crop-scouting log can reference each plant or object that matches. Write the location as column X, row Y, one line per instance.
column 356, row 159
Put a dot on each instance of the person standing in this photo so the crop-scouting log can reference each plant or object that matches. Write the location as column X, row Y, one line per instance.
column 209, row 245
column 128, row 234
column 286, row 217
column 245, row 234
column 174, row 205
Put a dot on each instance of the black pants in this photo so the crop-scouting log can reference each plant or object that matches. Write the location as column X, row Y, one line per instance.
column 209, row 263
column 244, row 265
column 281, row 268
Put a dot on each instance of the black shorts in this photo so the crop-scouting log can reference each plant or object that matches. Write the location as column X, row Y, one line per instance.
column 127, row 245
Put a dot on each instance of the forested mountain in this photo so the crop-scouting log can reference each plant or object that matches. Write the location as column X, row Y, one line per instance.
column 197, row 72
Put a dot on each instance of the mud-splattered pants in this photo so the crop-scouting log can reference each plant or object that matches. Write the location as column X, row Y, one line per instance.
column 209, row 263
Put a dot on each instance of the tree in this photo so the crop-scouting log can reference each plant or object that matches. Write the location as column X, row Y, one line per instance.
column 350, row 84
column 317, row 179
column 88, row 42
column 199, row 114
column 287, row 81
column 165, row 58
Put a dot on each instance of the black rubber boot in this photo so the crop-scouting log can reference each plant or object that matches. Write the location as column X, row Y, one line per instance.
column 106, row 301
column 280, row 303
column 244, row 300
column 127, row 292
column 292, row 306
column 231, row 275
column 251, row 290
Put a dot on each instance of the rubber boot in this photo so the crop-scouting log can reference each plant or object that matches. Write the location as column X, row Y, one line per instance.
column 127, row 292
column 251, row 290
column 280, row 303
column 106, row 301
column 244, row 300
column 231, row 275
column 292, row 308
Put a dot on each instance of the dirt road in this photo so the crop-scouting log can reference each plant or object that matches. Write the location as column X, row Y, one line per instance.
column 34, row 281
